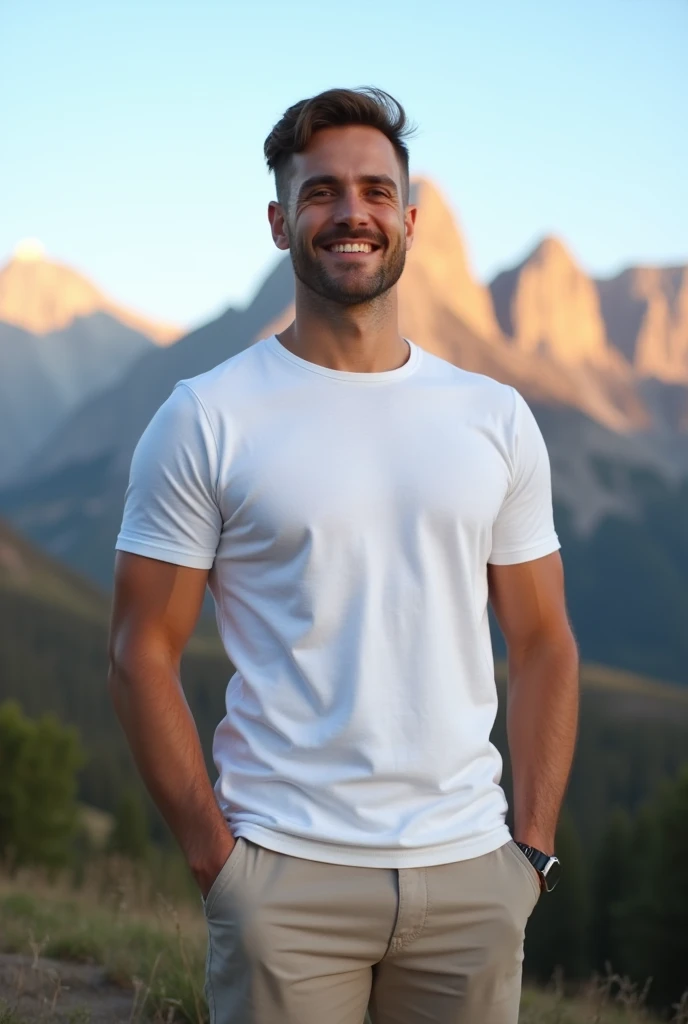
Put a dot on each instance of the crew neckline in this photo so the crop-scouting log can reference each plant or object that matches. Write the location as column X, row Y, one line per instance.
column 350, row 376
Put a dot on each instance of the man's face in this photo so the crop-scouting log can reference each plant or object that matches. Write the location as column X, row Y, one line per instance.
column 345, row 193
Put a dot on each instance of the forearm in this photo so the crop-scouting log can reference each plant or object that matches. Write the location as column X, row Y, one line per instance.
column 152, row 709
column 542, row 720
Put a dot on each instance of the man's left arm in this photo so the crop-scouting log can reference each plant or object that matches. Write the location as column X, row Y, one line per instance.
column 543, row 687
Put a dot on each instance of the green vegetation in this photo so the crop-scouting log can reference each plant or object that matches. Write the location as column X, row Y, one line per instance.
column 633, row 735
column 624, row 897
column 53, row 657
column 623, row 904
column 557, row 935
column 624, row 907
column 157, row 954
column 38, row 765
column 649, row 916
column 611, row 883
column 53, row 637
column 129, row 836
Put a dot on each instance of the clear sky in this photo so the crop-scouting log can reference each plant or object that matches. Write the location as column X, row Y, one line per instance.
column 131, row 132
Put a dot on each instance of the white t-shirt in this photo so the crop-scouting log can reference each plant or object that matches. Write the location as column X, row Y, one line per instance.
column 348, row 520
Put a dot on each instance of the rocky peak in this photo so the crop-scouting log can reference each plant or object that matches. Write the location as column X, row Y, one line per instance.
column 437, row 268
column 41, row 296
column 548, row 304
column 646, row 315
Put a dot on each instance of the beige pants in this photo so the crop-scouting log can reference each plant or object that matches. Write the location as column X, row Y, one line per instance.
column 294, row 941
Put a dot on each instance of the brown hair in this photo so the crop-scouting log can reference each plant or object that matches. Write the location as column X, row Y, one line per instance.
column 374, row 108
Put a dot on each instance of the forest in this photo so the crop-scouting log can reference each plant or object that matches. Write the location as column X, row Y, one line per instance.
column 622, row 906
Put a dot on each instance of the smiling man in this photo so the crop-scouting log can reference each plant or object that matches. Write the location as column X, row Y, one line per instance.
column 353, row 503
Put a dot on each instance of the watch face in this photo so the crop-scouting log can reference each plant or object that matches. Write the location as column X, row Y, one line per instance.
column 552, row 874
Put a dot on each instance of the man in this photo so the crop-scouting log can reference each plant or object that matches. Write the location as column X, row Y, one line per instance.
column 351, row 501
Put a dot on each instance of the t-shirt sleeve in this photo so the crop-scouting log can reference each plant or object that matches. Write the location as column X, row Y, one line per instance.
column 524, row 528
column 171, row 511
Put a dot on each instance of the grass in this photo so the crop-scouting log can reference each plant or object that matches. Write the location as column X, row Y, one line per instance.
column 145, row 946
column 157, row 954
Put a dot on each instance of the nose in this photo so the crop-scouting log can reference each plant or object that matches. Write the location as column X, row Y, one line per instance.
column 350, row 209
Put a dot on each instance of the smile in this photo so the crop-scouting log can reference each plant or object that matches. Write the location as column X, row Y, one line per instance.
column 355, row 247
column 351, row 247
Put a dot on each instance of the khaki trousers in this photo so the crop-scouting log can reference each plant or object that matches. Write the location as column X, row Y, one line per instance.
column 294, row 941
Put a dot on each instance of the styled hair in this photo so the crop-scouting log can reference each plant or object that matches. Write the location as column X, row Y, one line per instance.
column 336, row 108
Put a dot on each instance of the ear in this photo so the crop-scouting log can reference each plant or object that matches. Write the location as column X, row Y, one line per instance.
column 410, row 224
column 278, row 225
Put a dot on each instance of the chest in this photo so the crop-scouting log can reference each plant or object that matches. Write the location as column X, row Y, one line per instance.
column 348, row 470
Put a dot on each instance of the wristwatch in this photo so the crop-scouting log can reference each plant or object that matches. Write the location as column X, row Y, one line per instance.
column 547, row 866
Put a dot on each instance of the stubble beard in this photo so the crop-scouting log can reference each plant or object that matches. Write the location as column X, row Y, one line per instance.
column 350, row 288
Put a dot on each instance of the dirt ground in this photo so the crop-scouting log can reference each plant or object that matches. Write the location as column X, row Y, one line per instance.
column 53, row 990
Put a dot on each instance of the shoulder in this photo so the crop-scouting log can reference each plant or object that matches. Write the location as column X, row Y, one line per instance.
column 483, row 392
column 220, row 387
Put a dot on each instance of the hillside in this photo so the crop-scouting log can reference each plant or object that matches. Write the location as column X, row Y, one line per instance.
column 28, row 574
column 53, row 657
column 53, row 635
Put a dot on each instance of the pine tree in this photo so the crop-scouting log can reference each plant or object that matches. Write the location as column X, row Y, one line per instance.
column 611, row 877
column 635, row 914
column 670, row 952
column 653, row 918
column 39, row 761
column 556, row 937
column 129, row 836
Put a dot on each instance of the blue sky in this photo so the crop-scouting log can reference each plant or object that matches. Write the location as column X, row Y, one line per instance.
column 131, row 133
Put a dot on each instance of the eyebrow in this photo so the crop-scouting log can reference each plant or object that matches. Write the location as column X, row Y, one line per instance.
column 364, row 179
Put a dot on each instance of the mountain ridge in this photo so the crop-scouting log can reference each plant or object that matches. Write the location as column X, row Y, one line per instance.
column 62, row 341
column 646, row 313
column 446, row 311
column 45, row 378
column 43, row 295
column 616, row 438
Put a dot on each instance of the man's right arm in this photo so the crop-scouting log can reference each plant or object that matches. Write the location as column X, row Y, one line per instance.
column 155, row 609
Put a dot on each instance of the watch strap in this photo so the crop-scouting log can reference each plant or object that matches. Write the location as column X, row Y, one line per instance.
column 537, row 858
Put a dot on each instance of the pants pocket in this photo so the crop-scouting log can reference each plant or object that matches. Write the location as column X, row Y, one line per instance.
column 226, row 872
column 526, row 868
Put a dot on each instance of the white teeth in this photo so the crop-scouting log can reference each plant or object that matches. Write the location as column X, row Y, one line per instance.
column 355, row 247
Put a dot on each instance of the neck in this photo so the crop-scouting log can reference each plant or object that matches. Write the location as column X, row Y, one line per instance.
column 358, row 339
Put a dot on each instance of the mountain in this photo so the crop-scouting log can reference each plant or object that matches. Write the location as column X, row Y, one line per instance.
column 25, row 571
column 549, row 304
column 47, row 377
column 42, row 296
column 627, row 580
column 445, row 309
column 70, row 499
column 438, row 265
column 61, row 342
column 645, row 310
column 617, row 440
